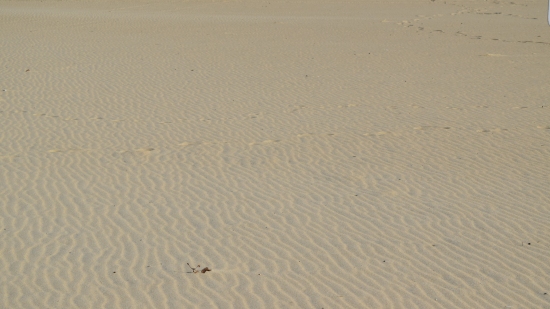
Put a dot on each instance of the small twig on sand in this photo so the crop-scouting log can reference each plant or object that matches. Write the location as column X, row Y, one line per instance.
column 193, row 269
column 196, row 269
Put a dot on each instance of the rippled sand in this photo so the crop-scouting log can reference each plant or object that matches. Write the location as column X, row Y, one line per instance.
column 313, row 154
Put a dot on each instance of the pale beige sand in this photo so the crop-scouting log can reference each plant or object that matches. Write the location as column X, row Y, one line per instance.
column 314, row 154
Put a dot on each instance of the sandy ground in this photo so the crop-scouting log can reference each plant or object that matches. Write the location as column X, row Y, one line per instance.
column 313, row 154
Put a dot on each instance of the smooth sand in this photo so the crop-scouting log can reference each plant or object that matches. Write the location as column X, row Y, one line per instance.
column 314, row 154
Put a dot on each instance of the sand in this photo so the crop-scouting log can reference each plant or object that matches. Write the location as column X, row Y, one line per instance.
column 313, row 154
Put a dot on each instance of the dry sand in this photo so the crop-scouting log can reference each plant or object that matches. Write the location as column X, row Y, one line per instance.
column 314, row 154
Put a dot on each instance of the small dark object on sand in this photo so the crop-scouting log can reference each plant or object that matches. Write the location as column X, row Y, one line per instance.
column 196, row 269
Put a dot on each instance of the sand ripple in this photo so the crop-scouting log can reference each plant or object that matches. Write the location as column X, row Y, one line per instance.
column 324, row 158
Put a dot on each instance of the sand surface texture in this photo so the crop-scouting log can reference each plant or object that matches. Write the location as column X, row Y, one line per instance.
column 314, row 154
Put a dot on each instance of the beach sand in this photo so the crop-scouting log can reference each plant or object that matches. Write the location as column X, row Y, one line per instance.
column 313, row 154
